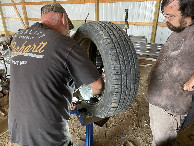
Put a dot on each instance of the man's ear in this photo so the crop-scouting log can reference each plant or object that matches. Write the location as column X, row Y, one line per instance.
column 64, row 19
column 65, row 23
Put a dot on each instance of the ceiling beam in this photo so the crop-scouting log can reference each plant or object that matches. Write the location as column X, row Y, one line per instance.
column 3, row 21
column 9, row 32
column 160, row 24
column 76, row 2
column 25, row 14
column 13, row 4
column 96, row 10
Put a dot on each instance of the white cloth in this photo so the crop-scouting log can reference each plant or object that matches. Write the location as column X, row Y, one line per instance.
column 164, row 125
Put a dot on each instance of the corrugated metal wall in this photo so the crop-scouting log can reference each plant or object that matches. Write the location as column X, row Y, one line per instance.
column 138, row 12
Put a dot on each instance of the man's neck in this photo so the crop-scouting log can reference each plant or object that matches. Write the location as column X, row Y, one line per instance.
column 56, row 28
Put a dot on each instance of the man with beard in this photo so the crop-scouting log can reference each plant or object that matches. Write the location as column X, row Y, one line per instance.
column 171, row 80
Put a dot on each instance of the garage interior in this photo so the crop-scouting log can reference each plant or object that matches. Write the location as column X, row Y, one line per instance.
column 142, row 20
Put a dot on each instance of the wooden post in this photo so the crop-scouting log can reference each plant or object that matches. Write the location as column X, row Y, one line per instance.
column 18, row 13
column 96, row 10
column 53, row 1
column 3, row 21
column 25, row 14
column 155, row 21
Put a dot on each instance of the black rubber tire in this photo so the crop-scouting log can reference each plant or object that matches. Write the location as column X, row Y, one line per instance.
column 120, row 64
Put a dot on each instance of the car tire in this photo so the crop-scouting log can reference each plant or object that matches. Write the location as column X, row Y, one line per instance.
column 112, row 51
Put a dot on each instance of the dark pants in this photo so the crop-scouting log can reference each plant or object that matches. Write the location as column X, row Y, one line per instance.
column 190, row 117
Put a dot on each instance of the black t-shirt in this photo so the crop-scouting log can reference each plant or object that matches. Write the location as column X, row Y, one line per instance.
column 44, row 65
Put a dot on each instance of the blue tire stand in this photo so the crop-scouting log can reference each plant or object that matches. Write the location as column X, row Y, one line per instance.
column 89, row 128
column 89, row 134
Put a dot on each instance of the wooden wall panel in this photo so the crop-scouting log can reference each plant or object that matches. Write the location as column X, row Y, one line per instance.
column 76, row 2
column 3, row 21
column 25, row 14
column 160, row 24
column 97, row 10
column 155, row 21
column 13, row 4
column 154, row 24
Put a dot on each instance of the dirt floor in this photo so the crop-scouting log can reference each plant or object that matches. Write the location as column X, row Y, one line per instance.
column 128, row 128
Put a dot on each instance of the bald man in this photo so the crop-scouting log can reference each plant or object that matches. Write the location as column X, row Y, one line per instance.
column 46, row 65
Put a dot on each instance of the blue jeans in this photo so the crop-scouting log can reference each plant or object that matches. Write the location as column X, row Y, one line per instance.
column 190, row 117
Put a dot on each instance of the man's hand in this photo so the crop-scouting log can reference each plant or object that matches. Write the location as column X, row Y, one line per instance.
column 91, row 90
column 189, row 85
column 97, row 86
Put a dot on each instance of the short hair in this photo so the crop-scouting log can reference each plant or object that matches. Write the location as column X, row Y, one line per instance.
column 185, row 6
column 53, row 19
column 164, row 3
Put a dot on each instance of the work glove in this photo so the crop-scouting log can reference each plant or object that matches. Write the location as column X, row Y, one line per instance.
column 85, row 91
column 86, row 94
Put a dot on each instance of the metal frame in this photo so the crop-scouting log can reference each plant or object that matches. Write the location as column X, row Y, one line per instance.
column 89, row 128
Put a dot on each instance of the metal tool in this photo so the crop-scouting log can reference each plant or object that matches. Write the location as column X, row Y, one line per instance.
column 126, row 20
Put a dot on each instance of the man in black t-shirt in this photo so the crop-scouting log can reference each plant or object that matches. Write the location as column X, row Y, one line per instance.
column 45, row 65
